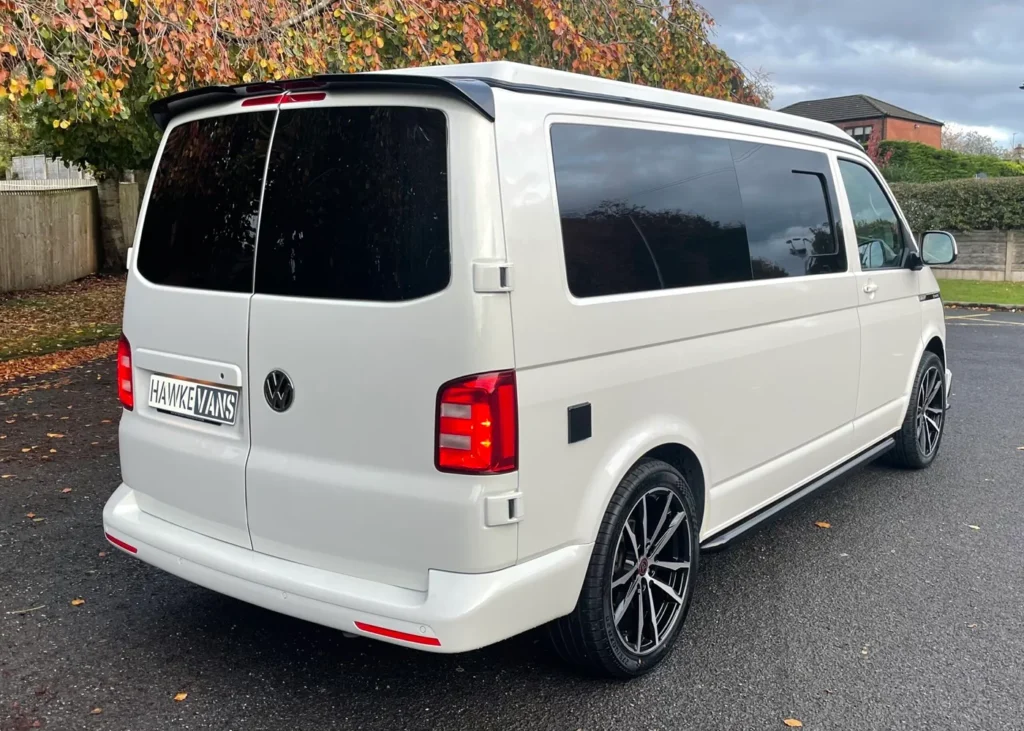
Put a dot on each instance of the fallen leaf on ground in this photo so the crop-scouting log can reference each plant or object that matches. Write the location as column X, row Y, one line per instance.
column 96, row 711
column 66, row 490
column 103, row 554
column 54, row 435
column 6, row 477
column 30, row 515
column 974, row 527
column 53, row 451
column 792, row 723
column 180, row 697
column 105, row 421
column 823, row 524
column 29, row 449
column 1020, row 449
column 22, row 367
column 38, row 520
column 77, row 602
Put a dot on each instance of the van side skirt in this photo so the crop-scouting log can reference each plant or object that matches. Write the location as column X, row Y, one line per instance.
column 724, row 538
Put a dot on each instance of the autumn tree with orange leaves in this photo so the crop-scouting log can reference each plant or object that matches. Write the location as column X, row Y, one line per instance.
column 84, row 71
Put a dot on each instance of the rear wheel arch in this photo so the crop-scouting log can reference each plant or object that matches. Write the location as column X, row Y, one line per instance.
column 935, row 345
column 686, row 461
column 669, row 446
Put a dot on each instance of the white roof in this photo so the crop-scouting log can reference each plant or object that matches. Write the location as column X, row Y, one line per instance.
column 522, row 74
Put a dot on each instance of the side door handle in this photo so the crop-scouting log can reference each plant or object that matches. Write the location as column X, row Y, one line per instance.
column 870, row 288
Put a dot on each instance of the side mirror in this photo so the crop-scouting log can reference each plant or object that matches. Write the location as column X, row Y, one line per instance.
column 938, row 247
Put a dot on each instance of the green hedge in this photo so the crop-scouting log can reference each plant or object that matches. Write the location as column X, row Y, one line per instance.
column 963, row 205
column 913, row 162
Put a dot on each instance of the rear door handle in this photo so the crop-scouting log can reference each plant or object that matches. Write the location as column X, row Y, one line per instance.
column 870, row 287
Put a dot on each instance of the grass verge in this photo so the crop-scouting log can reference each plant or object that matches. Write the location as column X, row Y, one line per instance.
column 989, row 293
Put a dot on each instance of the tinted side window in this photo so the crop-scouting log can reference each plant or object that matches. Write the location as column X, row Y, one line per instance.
column 879, row 234
column 200, row 224
column 787, row 204
column 644, row 210
column 356, row 205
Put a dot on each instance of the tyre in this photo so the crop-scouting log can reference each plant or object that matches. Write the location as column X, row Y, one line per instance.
column 638, row 586
column 917, row 442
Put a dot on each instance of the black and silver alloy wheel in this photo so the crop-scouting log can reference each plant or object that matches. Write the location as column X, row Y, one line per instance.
column 930, row 411
column 917, row 441
column 649, row 581
column 638, row 586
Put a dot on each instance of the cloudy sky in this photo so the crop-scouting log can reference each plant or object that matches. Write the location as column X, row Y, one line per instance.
column 959, row 61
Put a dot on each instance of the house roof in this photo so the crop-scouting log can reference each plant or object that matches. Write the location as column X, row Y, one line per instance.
column 856, row 106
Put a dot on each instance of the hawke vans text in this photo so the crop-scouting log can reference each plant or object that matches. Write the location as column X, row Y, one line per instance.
column 441, row 355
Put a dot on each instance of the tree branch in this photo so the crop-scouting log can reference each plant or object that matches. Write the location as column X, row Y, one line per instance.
column 306, row 14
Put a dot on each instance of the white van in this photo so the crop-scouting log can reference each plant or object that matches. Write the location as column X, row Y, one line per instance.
column 441, row 355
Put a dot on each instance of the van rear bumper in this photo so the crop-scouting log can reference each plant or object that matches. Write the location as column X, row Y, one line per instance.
column 457, row 612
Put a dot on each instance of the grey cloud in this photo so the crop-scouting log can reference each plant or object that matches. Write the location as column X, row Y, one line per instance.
column 954, row 61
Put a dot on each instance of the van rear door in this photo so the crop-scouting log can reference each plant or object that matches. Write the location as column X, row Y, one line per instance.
column 375, row 207
column 185, row 443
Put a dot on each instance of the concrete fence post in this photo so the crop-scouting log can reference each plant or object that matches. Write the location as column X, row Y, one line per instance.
column 1011, row 255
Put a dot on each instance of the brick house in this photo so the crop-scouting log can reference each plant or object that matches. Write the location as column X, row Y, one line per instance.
column 861, row 116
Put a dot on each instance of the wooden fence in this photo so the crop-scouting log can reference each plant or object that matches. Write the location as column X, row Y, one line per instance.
column 47, row 237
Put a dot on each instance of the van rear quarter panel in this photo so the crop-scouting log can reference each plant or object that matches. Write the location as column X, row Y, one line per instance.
column 758, row 379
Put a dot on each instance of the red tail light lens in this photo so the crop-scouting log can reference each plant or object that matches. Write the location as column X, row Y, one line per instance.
column 477, row 424
column 125, row 384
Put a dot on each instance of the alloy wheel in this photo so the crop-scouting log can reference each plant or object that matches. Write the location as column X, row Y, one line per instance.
column 651, row 575
column 930, row 412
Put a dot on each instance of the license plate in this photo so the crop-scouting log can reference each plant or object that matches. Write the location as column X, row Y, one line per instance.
column 194, row 400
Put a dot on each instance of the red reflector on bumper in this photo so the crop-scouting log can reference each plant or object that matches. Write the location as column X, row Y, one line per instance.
column 396, row 635
column 121, row 544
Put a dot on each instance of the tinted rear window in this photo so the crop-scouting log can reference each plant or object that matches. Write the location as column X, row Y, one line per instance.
column 644, row 210
column 356, row 205
column 787, row 205
column 200, row 226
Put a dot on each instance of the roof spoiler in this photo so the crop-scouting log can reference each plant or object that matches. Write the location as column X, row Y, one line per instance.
column 472, row 91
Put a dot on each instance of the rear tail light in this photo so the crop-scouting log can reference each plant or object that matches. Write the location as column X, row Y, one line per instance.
column 125, row 390
column 477, row 424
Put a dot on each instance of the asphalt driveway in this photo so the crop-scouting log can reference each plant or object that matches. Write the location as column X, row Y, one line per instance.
column 907, row 613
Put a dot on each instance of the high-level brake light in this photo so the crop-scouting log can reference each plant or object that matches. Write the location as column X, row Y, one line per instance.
column 289, row 98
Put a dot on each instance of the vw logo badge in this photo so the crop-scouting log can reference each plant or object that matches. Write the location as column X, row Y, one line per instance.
column 279, row 390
